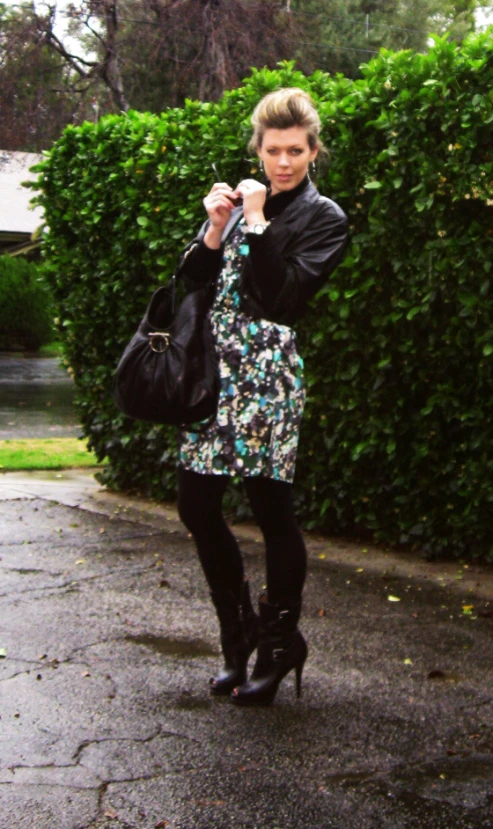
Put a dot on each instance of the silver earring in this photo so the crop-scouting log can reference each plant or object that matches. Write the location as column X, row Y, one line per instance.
column 313, row 168
column 261, row 166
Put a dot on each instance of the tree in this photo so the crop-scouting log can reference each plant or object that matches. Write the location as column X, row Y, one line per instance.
column 153, row 53
column 36, row 99
column 338, row 36
column 99, row 18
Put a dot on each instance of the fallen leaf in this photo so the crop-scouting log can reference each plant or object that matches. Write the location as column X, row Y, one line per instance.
column 359, row 570
column 81, row 561
column 111, row 814
column 393, row 598
column 164, row 583
column 3, row 653
column 162, row 824
column 322, row 555
column 85, row 673
column 322, row 612
column 408, row 661
column 102, row 530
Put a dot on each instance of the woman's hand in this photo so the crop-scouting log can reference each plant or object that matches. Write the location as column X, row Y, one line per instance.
column 218, row 204
column 254, row 195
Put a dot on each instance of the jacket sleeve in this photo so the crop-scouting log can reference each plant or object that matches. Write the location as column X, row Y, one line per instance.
column 284, row 282
column 199, row 264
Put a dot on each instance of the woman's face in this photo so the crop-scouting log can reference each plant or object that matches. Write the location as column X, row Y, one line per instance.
column 286, row 155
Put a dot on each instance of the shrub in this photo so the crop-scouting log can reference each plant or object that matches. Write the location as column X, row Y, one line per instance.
column 396, row 440
column 26, row 305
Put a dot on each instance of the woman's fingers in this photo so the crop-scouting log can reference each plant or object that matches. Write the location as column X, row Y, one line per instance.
column 254, row 195
column 249, row 187
column 220, row 188
column 219, row 205
column 217, row 202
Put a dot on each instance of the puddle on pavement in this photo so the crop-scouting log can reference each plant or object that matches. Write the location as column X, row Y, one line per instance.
column 454, row 769
column 37, row 398
column 181, row 648
column 348, row 778
column 459, row 785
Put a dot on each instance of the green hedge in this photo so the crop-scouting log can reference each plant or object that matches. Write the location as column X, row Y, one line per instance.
column 26, row 305
column 396, row 440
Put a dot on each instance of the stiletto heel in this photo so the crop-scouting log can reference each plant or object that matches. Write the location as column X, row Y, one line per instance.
column 281, row 650
column 299, row 671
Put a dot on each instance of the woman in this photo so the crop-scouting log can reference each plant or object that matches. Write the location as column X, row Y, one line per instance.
column 267, row 257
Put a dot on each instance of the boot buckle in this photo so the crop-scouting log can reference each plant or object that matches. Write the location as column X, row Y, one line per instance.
column 277, row 654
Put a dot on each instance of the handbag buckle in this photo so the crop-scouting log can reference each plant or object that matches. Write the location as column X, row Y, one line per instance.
column 158, row 341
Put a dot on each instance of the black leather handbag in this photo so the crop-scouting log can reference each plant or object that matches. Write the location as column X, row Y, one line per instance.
column 168, row 372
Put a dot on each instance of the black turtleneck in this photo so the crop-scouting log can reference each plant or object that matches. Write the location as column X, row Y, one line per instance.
column 274, row 205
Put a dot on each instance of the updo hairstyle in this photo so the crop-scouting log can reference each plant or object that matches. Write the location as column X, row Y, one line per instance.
column 282, row 109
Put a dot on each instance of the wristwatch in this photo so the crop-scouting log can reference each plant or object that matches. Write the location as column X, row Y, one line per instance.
column 257, row 229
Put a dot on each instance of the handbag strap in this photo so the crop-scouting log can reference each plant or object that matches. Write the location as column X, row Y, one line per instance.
column 177, row 274
column 200, row 427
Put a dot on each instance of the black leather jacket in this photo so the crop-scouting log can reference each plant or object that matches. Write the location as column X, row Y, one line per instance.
column 288, row 263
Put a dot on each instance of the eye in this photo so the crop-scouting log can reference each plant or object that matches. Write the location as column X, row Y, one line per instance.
column 296, row 151
column 271, row 151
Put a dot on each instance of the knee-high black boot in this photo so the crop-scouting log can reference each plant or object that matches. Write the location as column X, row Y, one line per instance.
column 239, row 636
column 281, row 649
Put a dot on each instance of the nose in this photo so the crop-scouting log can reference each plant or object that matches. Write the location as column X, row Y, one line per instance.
column 283, row 160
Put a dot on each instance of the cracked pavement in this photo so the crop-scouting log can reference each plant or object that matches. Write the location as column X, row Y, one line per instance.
column 110, row 639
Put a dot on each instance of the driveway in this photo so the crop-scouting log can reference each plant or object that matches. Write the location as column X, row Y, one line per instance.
column 110, row 638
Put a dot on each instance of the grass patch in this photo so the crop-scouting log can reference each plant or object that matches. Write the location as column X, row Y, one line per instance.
column 51, row 350
column 49, row 453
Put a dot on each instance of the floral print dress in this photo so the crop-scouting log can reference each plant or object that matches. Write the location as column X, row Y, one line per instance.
column 262, row 392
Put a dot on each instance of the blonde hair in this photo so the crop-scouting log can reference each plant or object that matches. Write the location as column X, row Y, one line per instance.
column 282, row 109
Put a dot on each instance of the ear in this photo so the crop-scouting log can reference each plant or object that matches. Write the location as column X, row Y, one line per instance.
column 314, row 154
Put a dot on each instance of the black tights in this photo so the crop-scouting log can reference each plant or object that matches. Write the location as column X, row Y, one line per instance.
column 200, row 507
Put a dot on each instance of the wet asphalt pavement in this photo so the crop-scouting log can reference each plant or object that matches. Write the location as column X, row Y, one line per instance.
column 110, row 639
column 36, row 398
